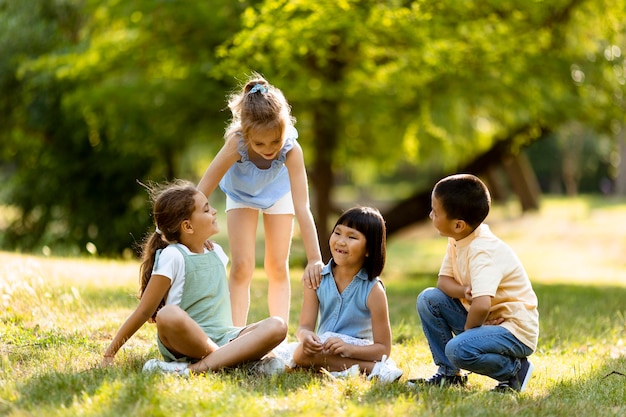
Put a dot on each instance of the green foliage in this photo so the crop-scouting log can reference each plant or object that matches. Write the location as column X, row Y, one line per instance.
column 99, row 102
column 96, row 95
column 437, row 80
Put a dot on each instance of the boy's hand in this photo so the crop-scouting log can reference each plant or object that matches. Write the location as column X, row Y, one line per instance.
column 493, row 322
column 468, row 294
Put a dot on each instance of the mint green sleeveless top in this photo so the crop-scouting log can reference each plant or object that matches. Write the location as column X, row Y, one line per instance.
column 206, row 299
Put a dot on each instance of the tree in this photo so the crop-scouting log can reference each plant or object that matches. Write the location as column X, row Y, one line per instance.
column 96, row 92
column 431, row 83
column 376, row 86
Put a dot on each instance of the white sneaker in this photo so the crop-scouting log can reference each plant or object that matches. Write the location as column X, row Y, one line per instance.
column 385, row 370
column 178, row 368
column 268, row 366
column 352, row 371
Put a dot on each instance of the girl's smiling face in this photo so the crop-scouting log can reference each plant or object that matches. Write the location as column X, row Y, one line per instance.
column 204, row 217
column 348, row 246
column 266, row 142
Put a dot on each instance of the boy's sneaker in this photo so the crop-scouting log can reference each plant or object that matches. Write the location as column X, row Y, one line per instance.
column 439, row 380
column 178, row 368
column 385, row 370
column 519, row 381
column 268, row 366
column 352, row 371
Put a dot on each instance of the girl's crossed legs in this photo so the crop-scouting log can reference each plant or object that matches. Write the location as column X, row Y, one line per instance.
column 183, row 336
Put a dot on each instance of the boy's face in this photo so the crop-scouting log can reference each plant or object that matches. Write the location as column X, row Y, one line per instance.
column 445, row 226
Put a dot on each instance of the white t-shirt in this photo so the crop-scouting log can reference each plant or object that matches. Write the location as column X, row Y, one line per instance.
column 171, row 264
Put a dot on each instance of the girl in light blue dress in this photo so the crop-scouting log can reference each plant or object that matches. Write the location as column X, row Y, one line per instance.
column 261, row 169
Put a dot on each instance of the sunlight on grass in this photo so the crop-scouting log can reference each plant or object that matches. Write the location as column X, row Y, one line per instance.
column 58, row 314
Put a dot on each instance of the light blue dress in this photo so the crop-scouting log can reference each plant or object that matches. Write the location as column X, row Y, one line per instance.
column 248, row 184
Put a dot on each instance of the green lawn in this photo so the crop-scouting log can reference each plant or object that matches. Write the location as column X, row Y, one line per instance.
column 57, row 315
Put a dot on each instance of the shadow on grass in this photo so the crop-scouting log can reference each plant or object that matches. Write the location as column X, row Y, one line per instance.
column 122, row 389
column 61, row 389
column 122, row 386
column 569, row 315
column 579, row 314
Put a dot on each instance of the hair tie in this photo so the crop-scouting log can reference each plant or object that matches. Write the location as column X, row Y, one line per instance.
column 259, row 87
column 158, row 231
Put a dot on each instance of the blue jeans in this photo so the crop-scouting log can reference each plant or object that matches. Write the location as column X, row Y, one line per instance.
column 487, row 350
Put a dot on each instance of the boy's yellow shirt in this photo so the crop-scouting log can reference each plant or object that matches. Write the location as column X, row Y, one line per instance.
column 491, row 267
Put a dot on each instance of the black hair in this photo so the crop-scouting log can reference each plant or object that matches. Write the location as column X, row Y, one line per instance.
column 464, row 197
column 371, row 223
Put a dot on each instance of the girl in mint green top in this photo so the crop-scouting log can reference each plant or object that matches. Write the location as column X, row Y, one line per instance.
column 185, row 292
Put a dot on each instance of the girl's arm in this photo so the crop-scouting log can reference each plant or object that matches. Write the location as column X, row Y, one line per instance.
column 224, row 159
column 308, row 318
column 155, row 291
column 300, row 194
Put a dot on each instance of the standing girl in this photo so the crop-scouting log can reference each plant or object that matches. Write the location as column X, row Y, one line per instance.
column 354, row 330
column 184, row 291
column 261, row 168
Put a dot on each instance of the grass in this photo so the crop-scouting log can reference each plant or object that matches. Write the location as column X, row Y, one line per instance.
column 58, row 314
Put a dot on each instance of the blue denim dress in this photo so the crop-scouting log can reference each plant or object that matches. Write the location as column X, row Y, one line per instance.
column 346, row 312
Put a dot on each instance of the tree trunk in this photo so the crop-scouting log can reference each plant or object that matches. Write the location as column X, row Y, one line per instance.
column 416, row 208
column 523, row 180
column 325, row 122
column 620, row 179
column 326, row 125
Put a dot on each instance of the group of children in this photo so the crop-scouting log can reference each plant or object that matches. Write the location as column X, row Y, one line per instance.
column 482, row 316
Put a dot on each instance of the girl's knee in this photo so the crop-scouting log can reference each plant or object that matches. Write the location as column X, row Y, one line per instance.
column 277, row 271
column 241, row 272
column 169, row 315
column 277, row 327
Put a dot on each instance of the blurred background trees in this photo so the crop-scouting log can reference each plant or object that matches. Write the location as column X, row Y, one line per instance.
column 389, row 96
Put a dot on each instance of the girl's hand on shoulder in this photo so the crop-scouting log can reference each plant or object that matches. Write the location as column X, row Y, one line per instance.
column 208, row 244
column 312, row 275
column 336, row 346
